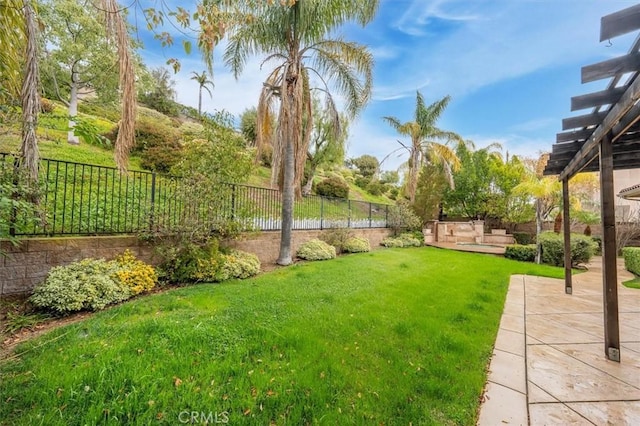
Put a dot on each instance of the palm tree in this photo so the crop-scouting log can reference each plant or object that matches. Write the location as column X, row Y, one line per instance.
column 425, row 141
column 294, row 35
column 545, row 190
column 203, row 81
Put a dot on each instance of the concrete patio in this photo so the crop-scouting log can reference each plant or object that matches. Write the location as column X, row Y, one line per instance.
column 549, row 366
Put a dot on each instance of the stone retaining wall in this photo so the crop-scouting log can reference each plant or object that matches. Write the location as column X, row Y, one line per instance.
column 27, row 264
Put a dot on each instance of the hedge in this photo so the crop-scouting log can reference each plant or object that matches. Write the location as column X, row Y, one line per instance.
column 523, row 253
column 582, row 248
column 632, row 259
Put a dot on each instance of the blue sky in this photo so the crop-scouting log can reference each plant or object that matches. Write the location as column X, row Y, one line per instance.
column 510, row 66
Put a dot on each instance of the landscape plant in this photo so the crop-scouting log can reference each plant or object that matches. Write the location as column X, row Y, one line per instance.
column 632, row 259
column 356, row 245
column 582, row 249
column 521, row 252
column 406, row 239
column 316, row 250
column 93, row 284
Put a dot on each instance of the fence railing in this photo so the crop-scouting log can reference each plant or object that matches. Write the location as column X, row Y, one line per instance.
column 84, row 199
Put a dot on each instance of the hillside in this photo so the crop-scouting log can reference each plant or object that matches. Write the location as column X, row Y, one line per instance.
column 158, row 135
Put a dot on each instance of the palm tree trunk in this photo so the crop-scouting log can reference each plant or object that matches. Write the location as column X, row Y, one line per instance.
column 413, row 175
column 29, row 154
column 200, row 102
column 288, row 197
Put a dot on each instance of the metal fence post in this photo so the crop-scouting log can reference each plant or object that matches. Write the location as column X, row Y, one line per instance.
column 14, row 196
column 233, row 201
column 349, row 212
column 369, row 215
column 153, row 201
column 321, row 213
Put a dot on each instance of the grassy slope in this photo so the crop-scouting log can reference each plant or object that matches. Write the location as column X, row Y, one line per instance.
column 395, row 336
column 52, row 144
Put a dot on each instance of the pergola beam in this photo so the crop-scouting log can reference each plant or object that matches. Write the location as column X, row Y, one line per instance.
column 624, row 104
column 576, row 135
column 597, row 99
column 621, row 22
column 583, row 120
column 611, row 67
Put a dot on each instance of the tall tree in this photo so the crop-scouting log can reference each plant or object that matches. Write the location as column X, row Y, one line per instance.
column 295, row 35
column 474, row 182
column 546, row 192
column 327, row 145
column 203, row 83
column 161, row 95
column 428, row 142
column 78, row 56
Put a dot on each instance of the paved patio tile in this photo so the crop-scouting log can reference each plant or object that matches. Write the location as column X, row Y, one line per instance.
column 555, row 414
column 609, row 413
column 503, row 406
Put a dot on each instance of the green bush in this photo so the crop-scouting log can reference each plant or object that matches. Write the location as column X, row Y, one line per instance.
column 337, row 237
column 407, row 239
column 356, row 245
column 375, row 187
column 523, row 253
column 157, row 143
column 362, row 182
column 403, row 218
column 238, row 264
column 333, row 187
column 632, row 259
column 190, row 262
column 582, row 249
column 524, row 238
column 136, row 275
column 89, row 284
column 316, row 250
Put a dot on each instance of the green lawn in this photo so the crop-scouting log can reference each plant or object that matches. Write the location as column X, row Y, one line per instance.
column 396, row 336
column 634, row 283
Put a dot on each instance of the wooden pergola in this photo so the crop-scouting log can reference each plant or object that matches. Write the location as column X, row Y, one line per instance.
column 604, row 140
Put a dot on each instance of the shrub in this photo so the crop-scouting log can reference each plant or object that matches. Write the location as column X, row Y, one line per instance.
column 337, row 237
column 391, row 242
column 356, row 245
column 238, row 264
column 136, row 275
column 582, row 249
column 156, row 141
column 87, row 284
column 632, row 259
column 266, row 155
column 407, row 239
column 402, row 218
column 46, row 106
column 524, row 238
column 316, row 250
column 598, row 240
column 333, row 187
column 375, row 187
column 191, row 130
column 362, row 182
column 523, row 253
column 190, row 262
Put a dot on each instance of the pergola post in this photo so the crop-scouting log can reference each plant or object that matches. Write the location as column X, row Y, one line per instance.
column 609, row 252
column 568, row 288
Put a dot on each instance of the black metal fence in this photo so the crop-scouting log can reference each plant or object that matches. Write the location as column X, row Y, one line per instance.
column 83, row 199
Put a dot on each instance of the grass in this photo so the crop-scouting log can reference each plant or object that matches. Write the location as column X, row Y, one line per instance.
column 389, row 337
column 634, row 283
